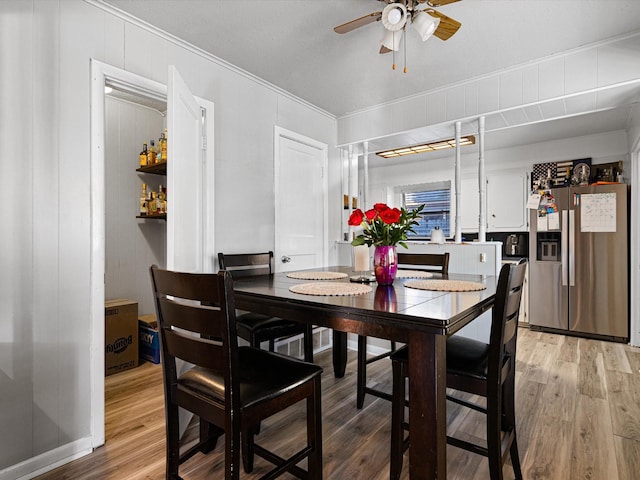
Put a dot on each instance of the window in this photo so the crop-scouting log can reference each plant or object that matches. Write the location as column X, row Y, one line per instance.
column 437, row 212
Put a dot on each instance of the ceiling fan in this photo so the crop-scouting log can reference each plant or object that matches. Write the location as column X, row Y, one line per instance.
column 397, row 14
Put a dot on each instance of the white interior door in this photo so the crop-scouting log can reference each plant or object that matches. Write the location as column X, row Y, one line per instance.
column 300, row 201
column 185, row 217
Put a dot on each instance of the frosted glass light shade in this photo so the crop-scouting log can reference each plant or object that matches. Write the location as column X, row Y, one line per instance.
column 424, row 24
column 391, row 40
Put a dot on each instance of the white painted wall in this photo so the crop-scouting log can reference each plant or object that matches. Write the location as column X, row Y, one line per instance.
column 45, row 52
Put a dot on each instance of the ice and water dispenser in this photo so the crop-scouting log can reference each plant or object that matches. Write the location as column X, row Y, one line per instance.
column 548, row 246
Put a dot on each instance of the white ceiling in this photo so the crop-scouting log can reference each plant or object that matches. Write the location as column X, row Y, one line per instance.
column 291, row 44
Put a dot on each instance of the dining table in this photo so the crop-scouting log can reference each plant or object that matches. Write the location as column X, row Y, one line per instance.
column 421, row 318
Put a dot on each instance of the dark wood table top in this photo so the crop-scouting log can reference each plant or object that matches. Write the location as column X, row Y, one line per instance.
column 397, row 307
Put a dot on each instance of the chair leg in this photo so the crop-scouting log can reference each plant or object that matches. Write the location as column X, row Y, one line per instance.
column 397, row 418
column 515, row 458
column 509, row 420
column 314, row 432
column 494, row 434
column 209, row 435
column 362, row 370
column 248, row 452
column 173, row 442
column 232, row 452
column 308, row 343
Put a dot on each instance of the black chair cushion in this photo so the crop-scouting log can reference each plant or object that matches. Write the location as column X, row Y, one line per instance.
column 264, row 326
column 467, row 357
column 262, row 375
column 464, row 357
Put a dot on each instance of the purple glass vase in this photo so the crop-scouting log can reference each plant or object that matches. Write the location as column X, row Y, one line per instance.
column 385, row 264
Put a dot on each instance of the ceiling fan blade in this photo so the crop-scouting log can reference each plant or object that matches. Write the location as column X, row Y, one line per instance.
column 384, row 49
column 358, row 22
column 447, row 26
column 437, row 3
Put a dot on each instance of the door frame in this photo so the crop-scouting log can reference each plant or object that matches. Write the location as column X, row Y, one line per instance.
column 279, row 133
column 139, row 85
column 101, row 73
column 634, row 230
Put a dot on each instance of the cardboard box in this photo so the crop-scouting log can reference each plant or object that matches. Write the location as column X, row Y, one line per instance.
column 148, row 336
column 121, row 335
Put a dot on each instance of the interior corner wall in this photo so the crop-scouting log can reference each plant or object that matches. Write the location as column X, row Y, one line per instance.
column 45, row 312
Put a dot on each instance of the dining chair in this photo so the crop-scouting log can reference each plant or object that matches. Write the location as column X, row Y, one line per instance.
column 230, row 388
column 430, row 262
column 255, row 327
column 478, row 368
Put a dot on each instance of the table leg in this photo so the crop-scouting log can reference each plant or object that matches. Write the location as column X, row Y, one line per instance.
column 427, row 406
column 339, row 353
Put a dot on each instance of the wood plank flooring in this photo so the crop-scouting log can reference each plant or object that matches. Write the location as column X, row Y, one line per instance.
column 578, row 410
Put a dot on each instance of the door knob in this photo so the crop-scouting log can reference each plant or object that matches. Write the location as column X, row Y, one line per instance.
column 285, row 259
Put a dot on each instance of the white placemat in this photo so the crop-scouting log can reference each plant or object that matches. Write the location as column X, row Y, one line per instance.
column 413, row 274
column 331, row 289
column 446, row 285
column 321, row 275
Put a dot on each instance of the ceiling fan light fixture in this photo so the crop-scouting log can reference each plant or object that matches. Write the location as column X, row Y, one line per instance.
column 424, row 24
column 391, row 40
column 394, row 17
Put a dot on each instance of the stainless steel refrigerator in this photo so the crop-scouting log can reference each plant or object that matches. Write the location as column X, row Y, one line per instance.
column 579, row 261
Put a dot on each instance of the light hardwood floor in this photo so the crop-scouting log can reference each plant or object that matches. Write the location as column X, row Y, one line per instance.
column 578, row 411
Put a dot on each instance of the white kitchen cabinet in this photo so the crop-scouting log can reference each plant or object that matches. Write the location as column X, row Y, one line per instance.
column 506, row 202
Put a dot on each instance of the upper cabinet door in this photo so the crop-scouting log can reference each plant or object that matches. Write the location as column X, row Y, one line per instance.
column 506, row 202
column 185, row 159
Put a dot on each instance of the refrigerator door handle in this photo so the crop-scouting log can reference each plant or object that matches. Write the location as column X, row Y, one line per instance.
column 564, row 233
column 572, row 246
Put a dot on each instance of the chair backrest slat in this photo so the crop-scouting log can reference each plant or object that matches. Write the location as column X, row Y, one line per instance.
column 206, row 320
column 246, row 264
column 431, row 262
column 200, row 351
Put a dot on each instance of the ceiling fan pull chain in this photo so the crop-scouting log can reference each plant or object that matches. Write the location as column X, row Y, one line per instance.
column 404, row 39
column 393, row 52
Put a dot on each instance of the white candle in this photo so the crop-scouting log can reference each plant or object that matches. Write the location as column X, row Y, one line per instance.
column 361, row 258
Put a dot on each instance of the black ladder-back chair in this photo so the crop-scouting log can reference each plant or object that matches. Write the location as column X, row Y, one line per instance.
column 256, row 328
column 487, row 370
column 431, row 262
column 230, row 388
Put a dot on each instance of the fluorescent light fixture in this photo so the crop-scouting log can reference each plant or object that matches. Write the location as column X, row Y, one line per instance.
column 424, row 24
column 427, row 147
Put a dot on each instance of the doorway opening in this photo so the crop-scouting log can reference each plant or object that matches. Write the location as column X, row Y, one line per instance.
column 136, row 111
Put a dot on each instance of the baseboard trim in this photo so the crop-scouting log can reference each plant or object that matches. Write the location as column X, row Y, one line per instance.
column 47, row 461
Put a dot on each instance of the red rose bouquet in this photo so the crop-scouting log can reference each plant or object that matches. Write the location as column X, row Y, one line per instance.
column 383, row 225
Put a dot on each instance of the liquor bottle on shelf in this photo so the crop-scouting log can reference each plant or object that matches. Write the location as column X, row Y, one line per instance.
column 162, row 201
column 159, row 156
column 143, row 200
column 152, row 153
column 144, row 156
column 151, row 204
column 163, row 145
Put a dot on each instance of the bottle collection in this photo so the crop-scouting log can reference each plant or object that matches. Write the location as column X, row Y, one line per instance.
column 153, row 203
column 152, row 154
